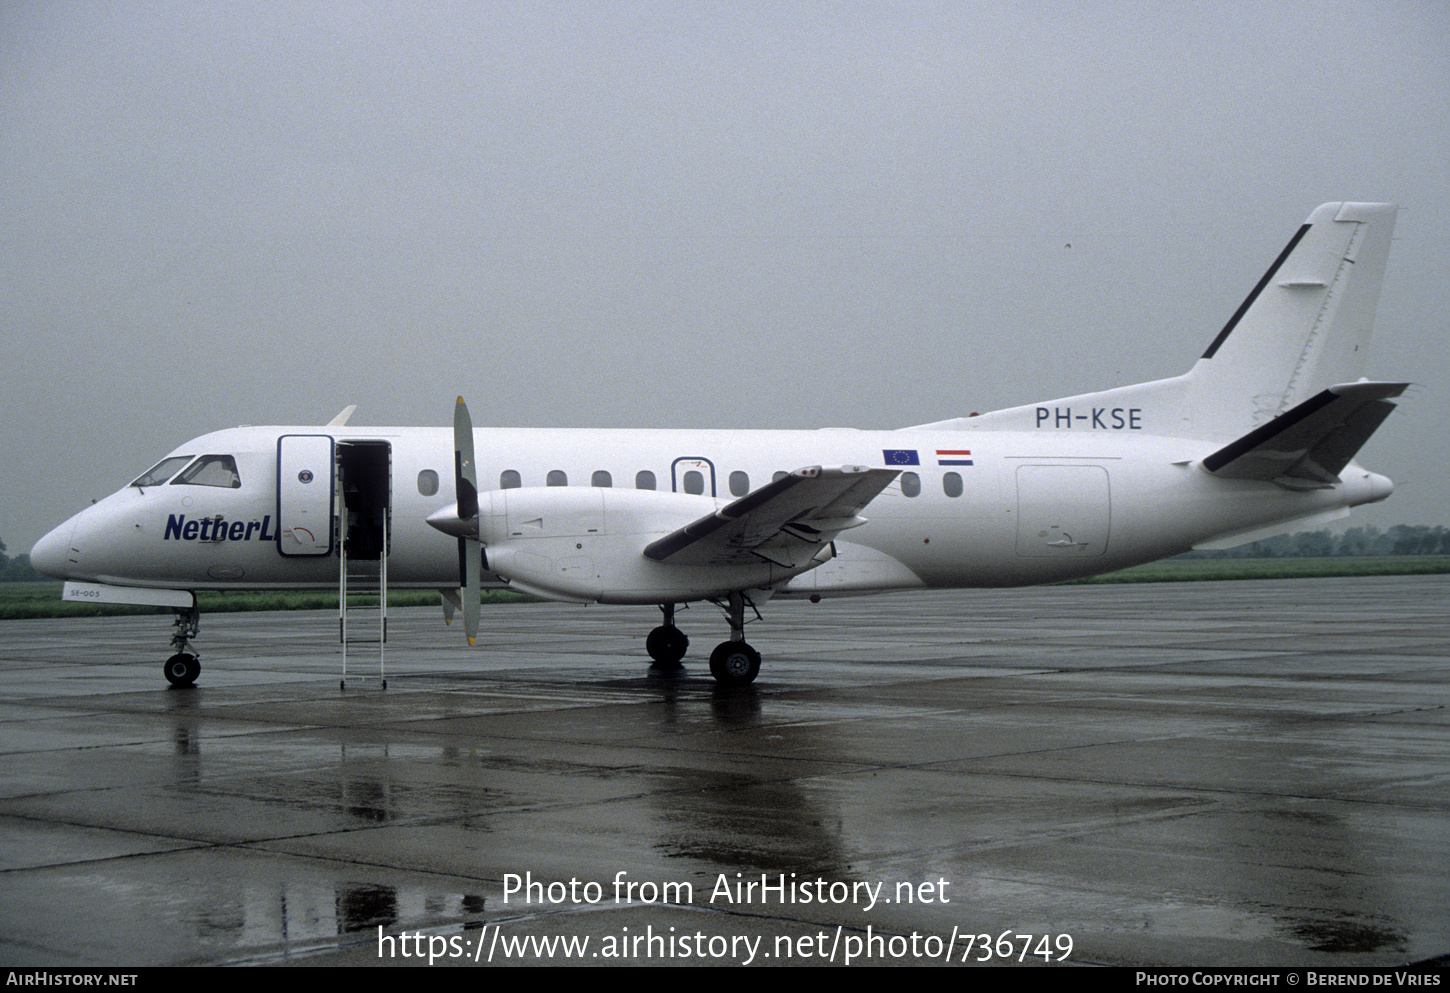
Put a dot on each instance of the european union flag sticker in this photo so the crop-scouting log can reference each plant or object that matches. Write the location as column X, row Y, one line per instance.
column 900, row 456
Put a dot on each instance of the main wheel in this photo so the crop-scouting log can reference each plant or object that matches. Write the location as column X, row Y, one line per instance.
column 667, row 644
column 181, row 669
column 734, row 663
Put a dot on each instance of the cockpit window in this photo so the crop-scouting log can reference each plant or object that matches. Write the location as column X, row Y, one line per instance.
column 211, row 470
column 162, row 471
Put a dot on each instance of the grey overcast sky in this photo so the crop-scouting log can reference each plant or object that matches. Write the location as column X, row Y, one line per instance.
column 695, row 214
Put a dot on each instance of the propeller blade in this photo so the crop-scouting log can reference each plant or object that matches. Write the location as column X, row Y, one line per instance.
column 451, row 604
column 465, row 474
column 470, row 552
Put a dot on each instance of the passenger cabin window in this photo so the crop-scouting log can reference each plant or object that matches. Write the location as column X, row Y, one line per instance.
column 910, row 484
column 162, row 471
column 739, row 483
column 694, row 482
column 211, row 470
column 427, row 482
column 777, row 476
column 509, row 479
column 951, row 484
column 601, row 479
column 557, row 477
column 644, row 480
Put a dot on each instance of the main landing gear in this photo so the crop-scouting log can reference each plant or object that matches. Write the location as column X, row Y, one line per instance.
column 667, row 644
column 183, row 667
column 732, row 663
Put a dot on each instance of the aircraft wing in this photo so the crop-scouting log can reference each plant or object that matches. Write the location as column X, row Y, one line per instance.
column 1309, row 446
column 785, row 522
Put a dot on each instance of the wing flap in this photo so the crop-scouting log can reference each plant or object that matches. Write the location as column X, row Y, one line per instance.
column 1308, row 446
column 785, row 522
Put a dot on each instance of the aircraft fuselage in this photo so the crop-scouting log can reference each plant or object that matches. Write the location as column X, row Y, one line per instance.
column 969, row 510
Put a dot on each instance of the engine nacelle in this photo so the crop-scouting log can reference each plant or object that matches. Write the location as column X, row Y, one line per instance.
column 586, row 545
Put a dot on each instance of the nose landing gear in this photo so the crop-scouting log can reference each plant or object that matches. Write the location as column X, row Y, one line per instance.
column 184, row 666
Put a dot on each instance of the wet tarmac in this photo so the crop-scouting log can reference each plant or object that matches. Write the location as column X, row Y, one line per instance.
column 1171, row 774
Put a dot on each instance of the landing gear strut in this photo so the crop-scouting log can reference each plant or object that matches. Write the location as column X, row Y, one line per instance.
column 733, row 662
column 183, row 667
column 667, row 644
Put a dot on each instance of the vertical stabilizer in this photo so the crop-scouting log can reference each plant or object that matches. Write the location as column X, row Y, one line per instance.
column 1305, row 326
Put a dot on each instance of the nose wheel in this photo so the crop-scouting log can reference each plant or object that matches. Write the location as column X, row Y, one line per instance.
column 183, row 667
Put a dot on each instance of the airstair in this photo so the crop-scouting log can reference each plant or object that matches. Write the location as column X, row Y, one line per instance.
column 364, row 540
column 361, row 579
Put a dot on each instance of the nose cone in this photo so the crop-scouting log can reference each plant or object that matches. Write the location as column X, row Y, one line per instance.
column 51, row 555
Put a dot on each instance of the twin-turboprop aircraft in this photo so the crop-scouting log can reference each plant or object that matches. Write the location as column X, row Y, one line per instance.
column 1258, row 437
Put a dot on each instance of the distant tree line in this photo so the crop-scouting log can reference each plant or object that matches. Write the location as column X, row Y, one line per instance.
column 16, row 570
column 1400, row 539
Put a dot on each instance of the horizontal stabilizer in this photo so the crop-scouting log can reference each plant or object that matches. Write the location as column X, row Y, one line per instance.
column 1309, row 446
column 785, row 522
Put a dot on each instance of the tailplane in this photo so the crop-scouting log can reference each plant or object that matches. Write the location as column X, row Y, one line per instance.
column 1308, row 446
column 1304, row 327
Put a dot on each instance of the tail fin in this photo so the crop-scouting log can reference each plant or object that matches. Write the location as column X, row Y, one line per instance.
column 1304, row 327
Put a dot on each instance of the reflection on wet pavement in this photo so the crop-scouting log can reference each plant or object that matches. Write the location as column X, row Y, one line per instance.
column 1245, row 773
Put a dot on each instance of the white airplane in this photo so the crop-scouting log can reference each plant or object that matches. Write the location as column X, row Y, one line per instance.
column 1258, row 437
